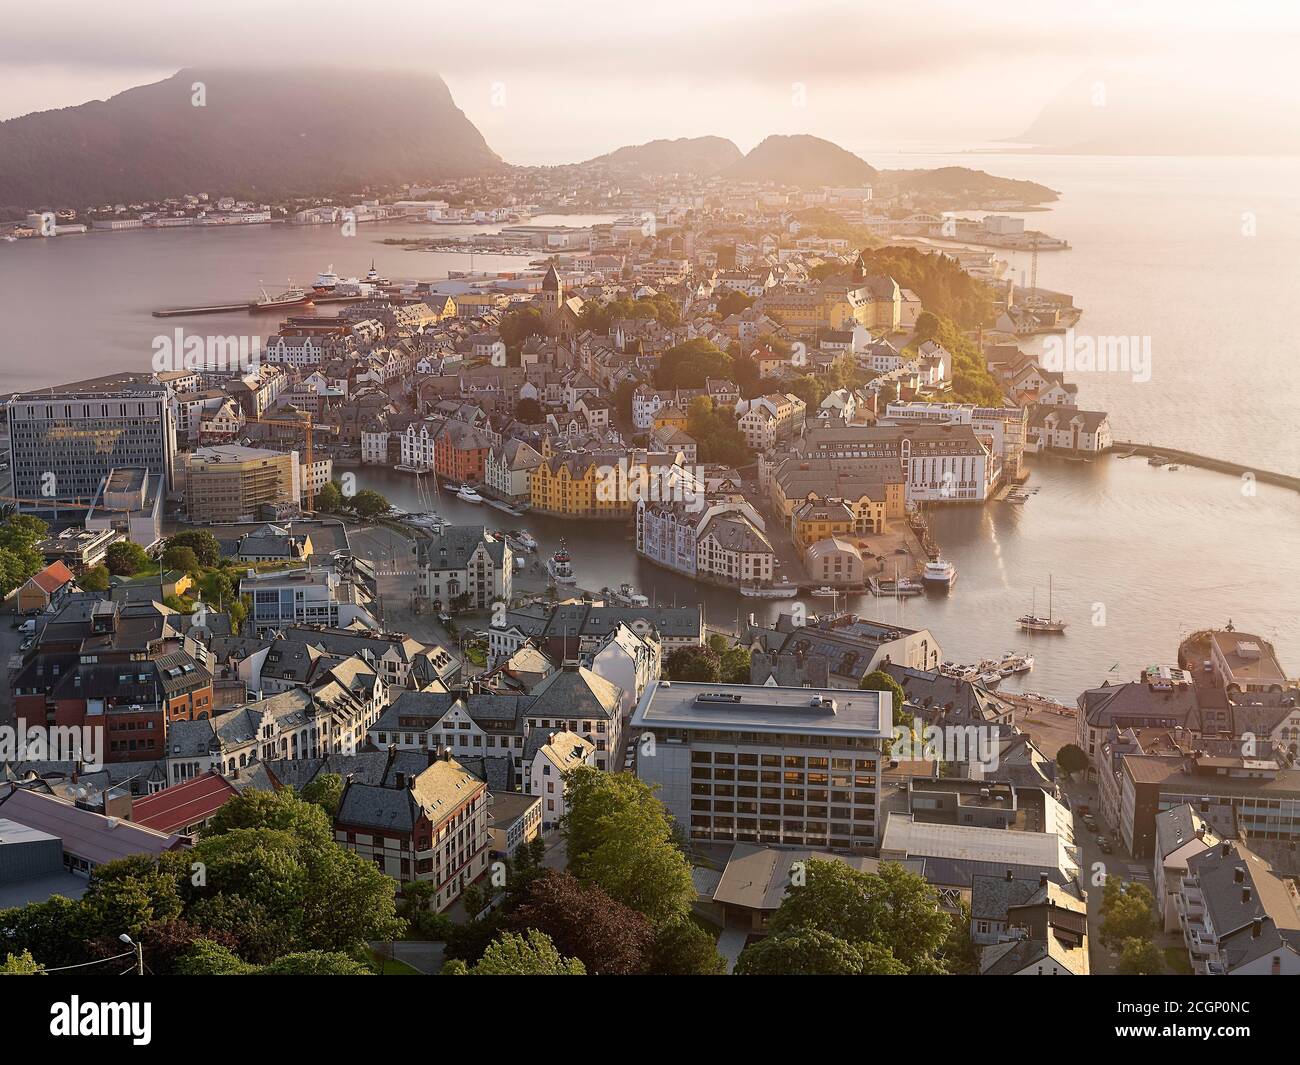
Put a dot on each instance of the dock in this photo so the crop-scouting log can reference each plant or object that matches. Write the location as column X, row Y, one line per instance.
column 1205, row 462
column 250, row 306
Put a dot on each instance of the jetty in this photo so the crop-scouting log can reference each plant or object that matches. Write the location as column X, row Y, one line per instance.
column 1173, row 455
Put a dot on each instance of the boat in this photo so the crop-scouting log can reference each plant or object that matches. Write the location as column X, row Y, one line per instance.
column 1031, row 622
column 1175, row 466
column 327, row 280
column 468, row 495
column 776, row 591
column 1157, row 460
column 521, row 540
column 293, row 296
column 939, row 573
column 627, row 596
column 403, row 467
column 824, row 592
column 991, row 679
column 903, row 586
column 560, row 566
column 373, row 278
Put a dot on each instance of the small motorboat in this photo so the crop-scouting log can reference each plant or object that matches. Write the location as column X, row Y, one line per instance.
column 468, row 495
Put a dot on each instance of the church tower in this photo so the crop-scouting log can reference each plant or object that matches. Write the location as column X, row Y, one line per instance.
column 551, row 300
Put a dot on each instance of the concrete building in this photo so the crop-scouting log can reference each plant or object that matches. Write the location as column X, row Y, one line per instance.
column 231, row 483
column 767, row 765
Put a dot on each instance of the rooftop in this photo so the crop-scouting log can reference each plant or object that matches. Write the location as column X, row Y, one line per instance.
column 762, row 708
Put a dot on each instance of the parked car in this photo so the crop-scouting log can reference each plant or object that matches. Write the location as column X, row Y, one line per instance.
column 1104, row 846
column 1090, row 822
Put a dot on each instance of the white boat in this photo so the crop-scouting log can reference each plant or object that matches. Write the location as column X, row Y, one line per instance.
column 991, row 679
column 1031, row 622
column 403, row 467
column 560, row 566
column 373, row 278
column 776, row 592
column 824, row 592
column 628, row 596
column 327, row 280
column 939, row 573
column 466, row 493
column 524, row 539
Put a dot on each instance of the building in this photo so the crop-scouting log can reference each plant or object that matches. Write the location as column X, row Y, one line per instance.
column 430, row 827
column 767, row 765
column 63, row 445
column 554, row 753
column 720, row 540
column 1239, row 918
column 129, row 502
column 515, row 820
column 582, row 702
column 1006, row 427
column 315, row 596
column 508, row 468
column 45, row 589
column 465, row 564
column 1059, row 428
column 851, row 646
column 232, row 483
column 185, row 807
column 1181, row 834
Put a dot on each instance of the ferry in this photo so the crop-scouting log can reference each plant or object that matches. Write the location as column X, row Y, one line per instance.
column 560, row 566
column 293, row 296
column 468, row 495
column 939, row 573
column 776, row 591
column 327, row 280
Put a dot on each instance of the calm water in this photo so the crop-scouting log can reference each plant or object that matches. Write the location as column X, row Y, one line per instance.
column 1157, row 251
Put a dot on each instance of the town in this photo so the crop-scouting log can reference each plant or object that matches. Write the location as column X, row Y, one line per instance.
column 228, row 654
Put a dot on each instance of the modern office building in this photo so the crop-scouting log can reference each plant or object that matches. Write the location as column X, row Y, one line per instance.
column 770, row 765
column 63, row 445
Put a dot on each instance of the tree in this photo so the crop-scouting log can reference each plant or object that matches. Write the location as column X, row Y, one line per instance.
column 1140, row 957
column 880, row 681
column 620, row 837
column 181, row 558
column 583, row 921
column 316, row 963
column 733, row 301
column 690, row 363
column 330, row 498
column 800, row 952
column 520, row 323
column 95, row 579
column 530, row 954
column 369, row 504
column 208, row 958
column 694, row 663
column 205, row 546
column 528, row 410
column 125, row 559
column 682, row 948
column 19, row 559
column 892, row 909
column 1072, row 759
column 1128, row 912
column 21, row 965
column 735, row 665
column 324, row 790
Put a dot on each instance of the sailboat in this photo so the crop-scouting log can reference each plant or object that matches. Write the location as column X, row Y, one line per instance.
column 1031, row 622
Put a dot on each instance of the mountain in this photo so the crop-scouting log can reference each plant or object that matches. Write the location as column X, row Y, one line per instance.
column 261, row 133
column 685, row 155
column 801, row 160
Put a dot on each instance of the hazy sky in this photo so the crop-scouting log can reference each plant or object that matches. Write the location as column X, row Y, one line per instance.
column 552, row 81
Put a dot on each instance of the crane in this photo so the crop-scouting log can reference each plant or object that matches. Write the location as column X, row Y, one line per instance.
column 308, row 428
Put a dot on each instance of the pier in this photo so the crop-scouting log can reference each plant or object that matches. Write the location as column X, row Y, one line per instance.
column 251, row 306
column 1205, row 462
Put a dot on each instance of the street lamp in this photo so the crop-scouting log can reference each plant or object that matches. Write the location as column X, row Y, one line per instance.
column 139, row 952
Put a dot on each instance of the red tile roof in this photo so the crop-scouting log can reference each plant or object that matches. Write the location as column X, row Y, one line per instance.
column 183, row 804
column 53, row 577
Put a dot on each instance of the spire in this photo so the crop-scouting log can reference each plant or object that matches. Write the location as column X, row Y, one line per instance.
column 551, row 282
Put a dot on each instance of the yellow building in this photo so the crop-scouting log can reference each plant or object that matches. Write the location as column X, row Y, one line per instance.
column 671, row 415
column 872, row 490
column 230, row 482
column 604, row 486
column 814, row 520
column 873, row 301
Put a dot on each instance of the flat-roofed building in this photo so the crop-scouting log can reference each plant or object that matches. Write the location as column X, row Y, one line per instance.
column 765, row 764
column 230, row 482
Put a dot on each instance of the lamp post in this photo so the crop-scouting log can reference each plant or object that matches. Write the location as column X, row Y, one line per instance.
column 139, row 952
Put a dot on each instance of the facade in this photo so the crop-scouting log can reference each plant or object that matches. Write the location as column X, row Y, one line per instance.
column 556, row 753
column 63, row 445
column 465, row 562
column 231, row 483
column 767, row 765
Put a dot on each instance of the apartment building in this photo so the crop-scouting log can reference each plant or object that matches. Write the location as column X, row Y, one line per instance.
column 770, row 765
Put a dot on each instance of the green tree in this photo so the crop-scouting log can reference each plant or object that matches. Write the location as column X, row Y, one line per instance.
column 1072, row 759
column 735, row 665
column 880, row 681
column 690, row 363
column 21, row 965
column 529, row 411
column 620, row 837
column 800, row 952
column 95, row 579
column 369, row 504
column 207, row 958
column 330, row 498
column 181, row 558
column 205, row 546
column 694, row 663
column 893, row 909
column 316, row 963
column 520, row 323
column 1128, row 912
column 682, row 948
column 125, row 559
column 530, row 954
column 324, row 790
column 1140, row 957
